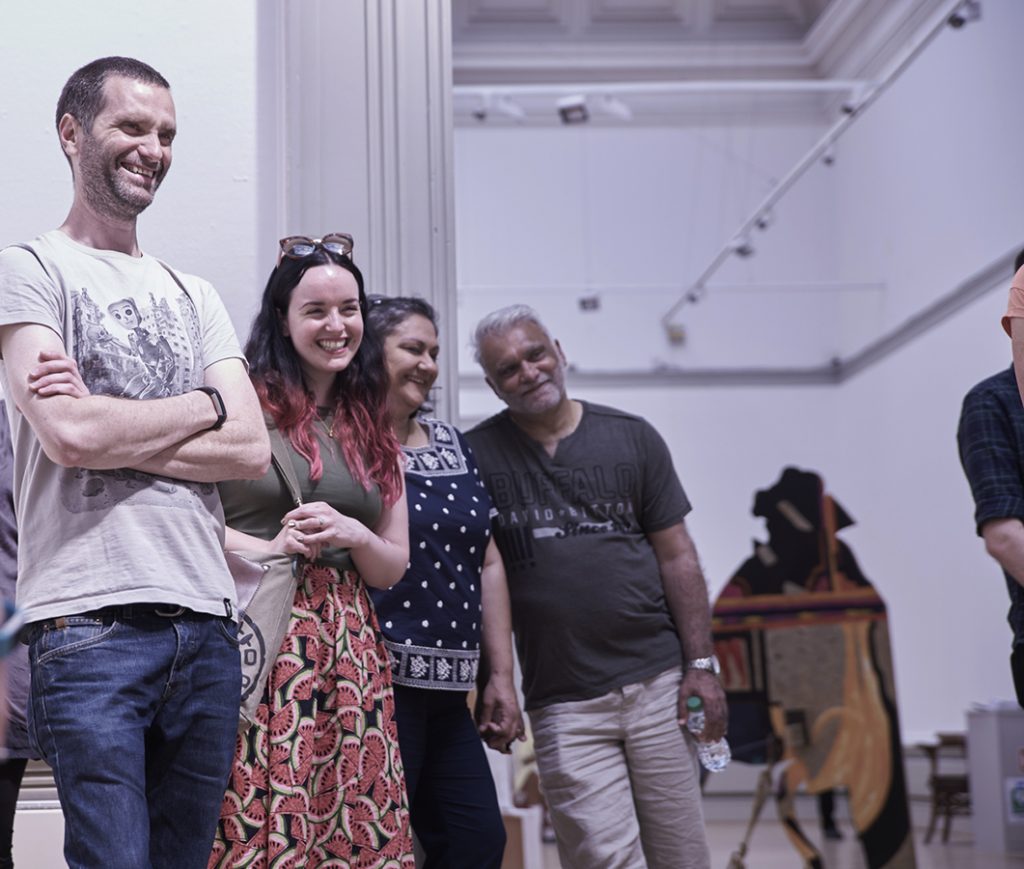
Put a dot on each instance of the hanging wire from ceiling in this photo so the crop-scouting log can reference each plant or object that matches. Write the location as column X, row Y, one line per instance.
column 861, row 96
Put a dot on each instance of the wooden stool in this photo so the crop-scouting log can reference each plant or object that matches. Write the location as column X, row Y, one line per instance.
column 950, row 792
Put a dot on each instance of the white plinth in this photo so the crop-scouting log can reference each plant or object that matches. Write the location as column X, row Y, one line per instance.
column 995, row 759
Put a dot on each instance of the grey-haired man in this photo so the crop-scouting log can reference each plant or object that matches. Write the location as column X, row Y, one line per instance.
column 609, row 606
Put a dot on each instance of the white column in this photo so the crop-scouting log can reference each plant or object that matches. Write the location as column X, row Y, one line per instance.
column 355, row 132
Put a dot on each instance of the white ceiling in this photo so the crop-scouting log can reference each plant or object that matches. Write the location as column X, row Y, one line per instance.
column 531, row 49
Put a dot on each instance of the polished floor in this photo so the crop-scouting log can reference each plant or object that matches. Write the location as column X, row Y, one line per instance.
column 39, row 831
column 769, row 849
column 37, row 845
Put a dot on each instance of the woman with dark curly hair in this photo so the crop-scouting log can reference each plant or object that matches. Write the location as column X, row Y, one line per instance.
column 446, row 625
column 318, row 778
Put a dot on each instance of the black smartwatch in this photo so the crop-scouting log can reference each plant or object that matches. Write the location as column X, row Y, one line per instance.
column 218, row 405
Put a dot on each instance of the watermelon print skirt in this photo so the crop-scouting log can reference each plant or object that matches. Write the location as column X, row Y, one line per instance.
column 318, row 781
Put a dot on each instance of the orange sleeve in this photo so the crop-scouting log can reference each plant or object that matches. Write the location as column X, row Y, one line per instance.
column 1015, row 308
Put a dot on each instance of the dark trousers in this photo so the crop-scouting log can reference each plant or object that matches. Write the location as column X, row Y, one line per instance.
column 1017, row 668
column 11, row 773
column 452, row 800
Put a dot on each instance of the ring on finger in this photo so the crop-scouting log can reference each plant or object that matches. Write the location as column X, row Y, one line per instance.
column 320, row 519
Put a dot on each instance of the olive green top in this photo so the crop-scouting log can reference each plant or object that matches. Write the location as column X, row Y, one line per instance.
column 256, row 506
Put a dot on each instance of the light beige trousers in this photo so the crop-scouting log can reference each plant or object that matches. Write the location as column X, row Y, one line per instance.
column 622, row 780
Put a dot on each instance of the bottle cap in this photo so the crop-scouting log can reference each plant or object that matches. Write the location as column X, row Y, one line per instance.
column 693, row 703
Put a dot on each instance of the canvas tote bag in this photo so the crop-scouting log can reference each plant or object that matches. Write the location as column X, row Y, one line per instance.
column 265, row 584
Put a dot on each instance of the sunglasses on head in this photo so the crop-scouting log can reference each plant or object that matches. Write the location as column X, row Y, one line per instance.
column 299, row 246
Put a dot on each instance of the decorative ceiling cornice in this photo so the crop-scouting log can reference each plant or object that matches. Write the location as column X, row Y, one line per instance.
column 860, row 38
column 500, row 42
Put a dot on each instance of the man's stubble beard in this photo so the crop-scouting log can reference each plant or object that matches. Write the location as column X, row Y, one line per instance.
column 105, row 190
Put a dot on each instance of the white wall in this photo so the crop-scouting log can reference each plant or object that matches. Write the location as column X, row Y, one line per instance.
column 921, row 197
column 204, row 218
column 930, row 179
column 635, row 215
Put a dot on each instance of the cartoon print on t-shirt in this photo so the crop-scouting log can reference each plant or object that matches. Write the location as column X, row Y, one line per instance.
column 152, row 348
column 139, row 351
column 135, row 351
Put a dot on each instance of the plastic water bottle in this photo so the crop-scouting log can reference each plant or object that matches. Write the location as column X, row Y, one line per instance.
column 714, row 756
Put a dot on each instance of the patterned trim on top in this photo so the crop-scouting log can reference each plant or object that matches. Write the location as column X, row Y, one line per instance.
column 423, row 667
column 442, row 457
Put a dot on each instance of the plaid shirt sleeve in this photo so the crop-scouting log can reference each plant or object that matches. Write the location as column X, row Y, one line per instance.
column 989, row 442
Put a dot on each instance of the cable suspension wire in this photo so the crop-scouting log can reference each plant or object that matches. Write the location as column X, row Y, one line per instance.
column 868, row 92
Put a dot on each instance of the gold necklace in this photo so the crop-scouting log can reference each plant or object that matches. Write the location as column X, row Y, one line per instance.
column 328, row 423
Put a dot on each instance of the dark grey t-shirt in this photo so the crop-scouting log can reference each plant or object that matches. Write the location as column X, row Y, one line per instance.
column 588, row 607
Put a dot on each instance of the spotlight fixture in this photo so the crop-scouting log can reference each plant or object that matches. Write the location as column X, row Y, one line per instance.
column 851, row 105
column 480, row 112
column 573, row 109
column 615, row 107
column 510, row 108
column 828, row 156
column 742, row 246
column 969, row 10
column 589, row 303
column 765, row 219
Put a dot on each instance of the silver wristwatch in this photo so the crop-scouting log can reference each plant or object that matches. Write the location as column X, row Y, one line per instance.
column 710, row 664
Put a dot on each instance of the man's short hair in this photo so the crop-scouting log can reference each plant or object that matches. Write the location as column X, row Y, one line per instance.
column 82, row 96
column 501, row 321
column 1018, row 262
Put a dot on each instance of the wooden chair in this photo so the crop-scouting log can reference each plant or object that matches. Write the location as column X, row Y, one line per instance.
column 949, row 790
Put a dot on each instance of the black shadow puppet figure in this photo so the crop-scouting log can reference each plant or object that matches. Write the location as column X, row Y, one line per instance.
column 803, row 640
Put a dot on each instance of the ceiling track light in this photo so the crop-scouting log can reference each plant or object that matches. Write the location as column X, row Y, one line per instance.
column 858, row 97
column 861, row 95
column 742, row 246
column 968, row 11
column 765, row 219
column 615, row 108
column 482, row 108
column 573, row 109
column 510, row 108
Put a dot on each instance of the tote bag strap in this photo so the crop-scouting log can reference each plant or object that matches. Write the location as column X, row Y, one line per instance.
column 283, row 463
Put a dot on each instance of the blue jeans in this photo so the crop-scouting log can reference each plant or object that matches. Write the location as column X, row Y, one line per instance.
column 452, row 801
column 136, row 713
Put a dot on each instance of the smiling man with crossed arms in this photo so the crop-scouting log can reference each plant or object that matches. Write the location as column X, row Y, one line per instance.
column 130, row 400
